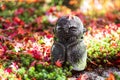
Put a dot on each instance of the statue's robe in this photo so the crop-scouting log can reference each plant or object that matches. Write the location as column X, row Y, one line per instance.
column 74, row 53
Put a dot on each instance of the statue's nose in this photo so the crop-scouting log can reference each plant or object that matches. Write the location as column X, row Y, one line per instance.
column 66, row 30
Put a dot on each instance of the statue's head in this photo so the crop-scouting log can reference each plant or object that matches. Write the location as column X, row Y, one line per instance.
column 69, row 26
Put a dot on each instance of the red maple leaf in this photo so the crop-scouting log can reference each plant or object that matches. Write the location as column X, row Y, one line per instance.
column 21, row 31
column 118, row 24
column 9, row 70
column 19, row 11
column 16, row 19
column 58, row 63
column 37, row 55
column 2, row 49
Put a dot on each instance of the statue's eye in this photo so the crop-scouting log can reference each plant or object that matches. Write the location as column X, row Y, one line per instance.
column 60, row 29
column 73, row 28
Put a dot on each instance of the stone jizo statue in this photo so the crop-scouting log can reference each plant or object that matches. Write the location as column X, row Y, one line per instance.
column 69, row 46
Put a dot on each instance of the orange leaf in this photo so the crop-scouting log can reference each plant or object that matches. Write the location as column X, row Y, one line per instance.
column 58, row 63
column 31, row 1
column 3, row 7
column 111, row 77
column 73, row 2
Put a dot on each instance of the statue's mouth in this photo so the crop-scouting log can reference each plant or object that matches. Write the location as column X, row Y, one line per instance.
column 67, row 36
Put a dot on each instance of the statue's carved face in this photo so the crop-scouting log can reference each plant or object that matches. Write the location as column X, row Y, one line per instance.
column 69, row 26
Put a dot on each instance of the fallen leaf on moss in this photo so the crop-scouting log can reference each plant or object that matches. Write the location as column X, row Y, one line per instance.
column 58, row 63
column 111, row 77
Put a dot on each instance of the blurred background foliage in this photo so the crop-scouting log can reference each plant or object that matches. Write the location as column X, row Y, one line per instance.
column 86, row 6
